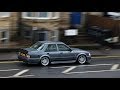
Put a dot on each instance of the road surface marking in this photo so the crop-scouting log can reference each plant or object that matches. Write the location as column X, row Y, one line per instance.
column 81, row 65
column 20, row 73
column 69, row 69
column 114, row 66
column 21, row 76
column 6, row 77
column 10, row 70
column 18, row 76
column 92, row 71
column 94, row 65
column 9, row 61
column 106, row 56
column 60, row 67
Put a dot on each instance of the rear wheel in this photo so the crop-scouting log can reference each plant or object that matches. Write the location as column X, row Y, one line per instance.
column 44, row 61
column 82, row 59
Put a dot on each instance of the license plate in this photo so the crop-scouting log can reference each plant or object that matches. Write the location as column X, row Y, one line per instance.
column 22, row 54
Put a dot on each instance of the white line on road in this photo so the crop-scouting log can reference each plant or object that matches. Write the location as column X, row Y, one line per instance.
column 21, row 76
column 92, row 71
column 114, row 66
column 18, row 76
column 94, row 65
column 10, row 70
column 20, row 73
column 81, row 65
column 69, row 69
column 60, row 67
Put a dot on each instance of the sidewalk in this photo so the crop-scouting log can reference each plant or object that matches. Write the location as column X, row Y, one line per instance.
column 12, row 56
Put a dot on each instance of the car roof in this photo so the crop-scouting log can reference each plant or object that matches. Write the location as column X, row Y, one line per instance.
column 51, row 42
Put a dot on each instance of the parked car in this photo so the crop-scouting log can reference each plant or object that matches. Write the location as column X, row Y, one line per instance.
column 47, row 52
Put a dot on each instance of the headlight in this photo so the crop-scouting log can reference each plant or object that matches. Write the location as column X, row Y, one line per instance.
column 88, row 54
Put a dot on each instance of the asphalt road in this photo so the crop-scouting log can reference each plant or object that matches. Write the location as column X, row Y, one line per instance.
column 99, row 68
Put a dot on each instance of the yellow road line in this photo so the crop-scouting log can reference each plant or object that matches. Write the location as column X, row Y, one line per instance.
column 9, row 61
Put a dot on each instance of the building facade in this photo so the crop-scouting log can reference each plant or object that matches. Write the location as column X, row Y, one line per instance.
column 8, row 26
column 40, row 26
column 37, row 26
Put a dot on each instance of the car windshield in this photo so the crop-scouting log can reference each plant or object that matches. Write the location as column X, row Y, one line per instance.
column 37, row 45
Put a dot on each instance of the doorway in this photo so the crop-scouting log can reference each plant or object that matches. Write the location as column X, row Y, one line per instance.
column 40, row 36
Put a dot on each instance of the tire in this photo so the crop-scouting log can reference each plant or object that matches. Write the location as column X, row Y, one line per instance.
column 88, row 62
column 82, row 59
column 44, row 61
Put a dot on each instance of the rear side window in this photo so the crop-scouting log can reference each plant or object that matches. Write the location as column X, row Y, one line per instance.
column 51, row 48
column 63, row 47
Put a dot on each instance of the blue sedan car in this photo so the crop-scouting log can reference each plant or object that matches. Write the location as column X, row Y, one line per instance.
column 47, row 52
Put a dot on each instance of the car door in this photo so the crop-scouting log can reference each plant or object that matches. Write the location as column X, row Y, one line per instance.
column 53, row 52
column 66, row 53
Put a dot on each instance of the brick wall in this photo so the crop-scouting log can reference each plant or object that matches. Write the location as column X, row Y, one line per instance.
column 48, row 24
column 64, row 19
column 14, row 19
column 95, row 13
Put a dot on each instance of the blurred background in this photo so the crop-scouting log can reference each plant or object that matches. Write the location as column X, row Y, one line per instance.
column 21, row 29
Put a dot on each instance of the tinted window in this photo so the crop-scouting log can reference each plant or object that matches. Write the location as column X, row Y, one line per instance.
column 36, row 45
column 51, row 48
column 63, row 47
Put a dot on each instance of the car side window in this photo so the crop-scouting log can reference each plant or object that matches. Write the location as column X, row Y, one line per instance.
column 63, row 47
column 51, row 48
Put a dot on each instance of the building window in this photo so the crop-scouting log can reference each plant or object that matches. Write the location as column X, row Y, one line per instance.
column 40, row 15
column 4, row 36
column 43, row 14
column 27, row 34
column 4, row 14
column 30, row 14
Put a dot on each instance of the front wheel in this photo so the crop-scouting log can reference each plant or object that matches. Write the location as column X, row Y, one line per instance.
column 45, row 61
column 82, row 59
